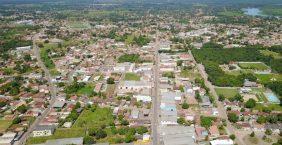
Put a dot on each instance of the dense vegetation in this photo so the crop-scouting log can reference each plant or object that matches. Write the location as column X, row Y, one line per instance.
column 211, row 58
column 129, row 58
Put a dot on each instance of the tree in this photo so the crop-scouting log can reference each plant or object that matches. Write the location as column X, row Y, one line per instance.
column 110, row 81
column 17, row 120
column 88, row 140
column 100, row 134
column 232, row 117
column 22, row 109
column 251, row 103
column 124, row 122
column 206, row 121
column 252, row 134
column 185, row 105
column 232, row 136
column 141, row 130
column 129, row 138
column 268, row 132
column 2, row 104
column 221, row 97
column 181, row 120
column 261, row 119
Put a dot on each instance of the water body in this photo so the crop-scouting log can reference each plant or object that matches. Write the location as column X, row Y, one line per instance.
column 253, row 12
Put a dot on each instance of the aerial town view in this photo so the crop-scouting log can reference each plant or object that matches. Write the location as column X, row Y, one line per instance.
column 140, row 72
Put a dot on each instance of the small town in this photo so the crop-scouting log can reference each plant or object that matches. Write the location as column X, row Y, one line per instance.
column 140, row 73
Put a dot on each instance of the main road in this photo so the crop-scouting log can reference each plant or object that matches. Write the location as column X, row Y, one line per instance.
column 52, row 90
column 155, row 94
column 220, row 107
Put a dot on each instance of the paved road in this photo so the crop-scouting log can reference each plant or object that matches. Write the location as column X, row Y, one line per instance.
column 53, row 92
column 220, row 107
column 155, row 99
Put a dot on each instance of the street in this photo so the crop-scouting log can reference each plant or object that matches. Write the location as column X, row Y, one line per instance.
column 53, row 92
column 220, row 107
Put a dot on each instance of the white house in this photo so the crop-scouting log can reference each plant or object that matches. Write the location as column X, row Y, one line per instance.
column 222, row 142
column 43, row 130
column 133, row 86
column 143, row 98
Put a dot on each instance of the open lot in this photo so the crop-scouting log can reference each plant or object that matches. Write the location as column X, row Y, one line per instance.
column 86, row 120
column 132, row 77
column 79, row 25
column 89, row 119
column 227, row 92
column 4, row 124
column 265, row 78
column 253, row 65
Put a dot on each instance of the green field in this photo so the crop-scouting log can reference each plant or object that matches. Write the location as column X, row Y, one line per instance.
column 274, row 107
column 253, row 65
column 271, row 53
column 59, row 133
column 274, row 11
column 227, row 92
column 231, row 13
column 86, row 120
column 86, row 90
column 89, row 119
column 265, row 78
column 4, row 124
column 132, row 77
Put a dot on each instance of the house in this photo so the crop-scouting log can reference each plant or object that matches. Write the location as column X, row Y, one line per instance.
column 201, row 133
column 143, row 98
column 59, row 104
column 133, row 86
column 43, row 130
column 134, row 113
column 222, row 142
column 206, row 102
column 7, row 138
column 214, row 133
column 124, row 67
column 248, row 83
column 178, row 135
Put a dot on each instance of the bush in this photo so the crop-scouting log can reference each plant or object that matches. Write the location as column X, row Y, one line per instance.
column 232, row 136
column 232, row 117
column 88, row 140
column 252, row 134
column 251, row 103
column 110, row 81
column 185, row 105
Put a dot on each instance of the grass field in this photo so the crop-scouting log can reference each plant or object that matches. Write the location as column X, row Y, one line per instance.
column 274, row 11
column 4, row 124
column 86, row 120
column 274, row 107
column 271, row 53
column 89, row 119
column 87, row 90
column 265, row 78
column 253, row 65
column 132, row 77
column 227, row 92
column 59, row 133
